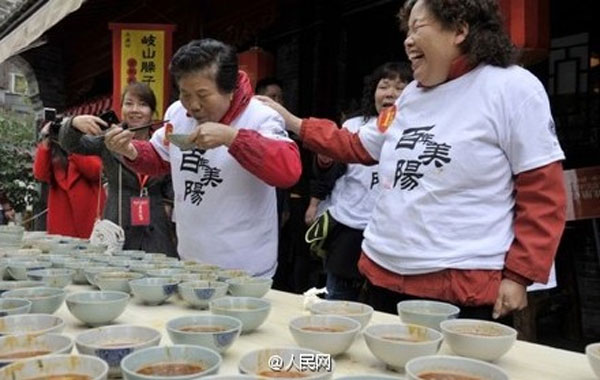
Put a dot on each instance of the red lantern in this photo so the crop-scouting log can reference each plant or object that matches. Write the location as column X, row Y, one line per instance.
column 257, row 63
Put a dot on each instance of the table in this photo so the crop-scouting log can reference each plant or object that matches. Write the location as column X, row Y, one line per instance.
column 525, row 361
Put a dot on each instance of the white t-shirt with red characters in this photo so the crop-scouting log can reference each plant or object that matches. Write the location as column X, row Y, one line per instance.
column 354, row 194
column 225, row 215
column 446, row 168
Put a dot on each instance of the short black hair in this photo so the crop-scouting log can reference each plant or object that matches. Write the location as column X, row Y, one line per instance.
column 203, row 54
column 389, row 70
column 261, row 85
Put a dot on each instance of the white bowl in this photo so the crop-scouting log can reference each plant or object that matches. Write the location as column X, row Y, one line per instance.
column 279, row 360
column 97, row 307
column 116, row 281
column 113, row 343
column 198, row 276
column 55, row 366
column 54, row 278
column 32, row 324
column 253, row 312
column 19, row 347
column 200, row 293
column 331, row 334
column 165, row 273
column 396, row 344
column 18, row 269
column 226, row 274
column 228, row 330
column 477, row 339
column 91, row 272
column 43, row 299
column 12, row 285
column 455, row 365
column 592, row 352
column 153, row 291
column 249, row 286
column 367, row 377
column 12, row 306
column 360, row 312
column 426, row 313
column 209, row 360
column 79, row 267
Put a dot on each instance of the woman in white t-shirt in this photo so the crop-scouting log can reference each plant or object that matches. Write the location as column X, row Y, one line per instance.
column 352, row 196
column 224, row 181
column 472, row 203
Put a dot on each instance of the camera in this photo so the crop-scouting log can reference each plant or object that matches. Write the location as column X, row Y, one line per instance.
column 55, row 122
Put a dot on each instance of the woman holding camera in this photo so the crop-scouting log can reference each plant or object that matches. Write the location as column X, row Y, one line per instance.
column 75, row 192
column 138, row 203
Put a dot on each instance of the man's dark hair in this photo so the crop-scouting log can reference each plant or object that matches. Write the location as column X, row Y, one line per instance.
column 207, row 53
column 487, row 40
column 261, row 85
column 389, row 70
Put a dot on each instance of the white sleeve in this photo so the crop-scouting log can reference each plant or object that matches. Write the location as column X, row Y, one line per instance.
column 158, row 137
column 273, row 127
column 372, row 138
column 530, row 141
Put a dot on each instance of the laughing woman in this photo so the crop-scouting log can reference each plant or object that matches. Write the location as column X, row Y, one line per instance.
column 472, row 203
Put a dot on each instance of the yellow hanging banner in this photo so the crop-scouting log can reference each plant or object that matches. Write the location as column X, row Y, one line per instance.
column 141, row 53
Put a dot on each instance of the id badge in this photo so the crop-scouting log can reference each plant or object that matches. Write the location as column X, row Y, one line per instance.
column 140, row 211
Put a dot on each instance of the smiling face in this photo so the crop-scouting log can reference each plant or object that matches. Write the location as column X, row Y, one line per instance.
column 201, row 97
column 430, row 47
column 387, row 91
column 135, row 111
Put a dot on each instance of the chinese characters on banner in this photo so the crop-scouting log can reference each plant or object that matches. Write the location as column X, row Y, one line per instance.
column 141, row 53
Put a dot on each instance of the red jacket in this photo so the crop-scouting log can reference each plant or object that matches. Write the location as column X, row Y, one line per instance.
column 73, row 194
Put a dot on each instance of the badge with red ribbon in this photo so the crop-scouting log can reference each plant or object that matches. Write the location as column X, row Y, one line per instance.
column 386, row 118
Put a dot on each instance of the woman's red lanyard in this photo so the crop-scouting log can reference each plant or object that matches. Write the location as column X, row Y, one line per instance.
column 140, row 206
column 142, row 179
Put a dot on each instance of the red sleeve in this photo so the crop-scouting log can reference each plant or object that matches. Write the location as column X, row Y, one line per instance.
column 148, row 161
column 89, row 166
column 273, row 161
column 42, row 164
column 324, row 137
column 540, row 214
